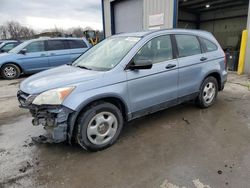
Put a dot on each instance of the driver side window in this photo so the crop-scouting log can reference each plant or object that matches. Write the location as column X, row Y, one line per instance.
column 37, row 46
column 156, row 50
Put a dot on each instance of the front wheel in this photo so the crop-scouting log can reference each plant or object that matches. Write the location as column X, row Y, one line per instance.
column 99, row 126
column 208, row 92
column 10, row 71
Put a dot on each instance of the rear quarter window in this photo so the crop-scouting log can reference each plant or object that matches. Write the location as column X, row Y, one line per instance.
column 77, row 44
column 209, row 46
column 56, row 45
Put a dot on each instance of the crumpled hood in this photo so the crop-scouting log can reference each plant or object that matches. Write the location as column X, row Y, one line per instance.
column 57, row 77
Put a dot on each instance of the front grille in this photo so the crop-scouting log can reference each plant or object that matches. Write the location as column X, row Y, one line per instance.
column 25, row 99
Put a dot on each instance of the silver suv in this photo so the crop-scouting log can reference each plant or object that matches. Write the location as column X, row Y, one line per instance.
column 122, row 78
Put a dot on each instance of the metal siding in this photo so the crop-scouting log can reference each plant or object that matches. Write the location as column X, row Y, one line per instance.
column 150, row 7
column 157, row 7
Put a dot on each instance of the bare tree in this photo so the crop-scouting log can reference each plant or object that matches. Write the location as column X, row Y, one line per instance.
column 87, row 28
column 3, row 32
column 26, row 33
column 14, row 30
column 77, row 32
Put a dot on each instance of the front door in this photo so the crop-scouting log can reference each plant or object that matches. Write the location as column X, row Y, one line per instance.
column 35, row 59
column 154, row 88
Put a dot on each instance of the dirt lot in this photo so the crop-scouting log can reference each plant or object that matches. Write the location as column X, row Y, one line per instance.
column 179, row 147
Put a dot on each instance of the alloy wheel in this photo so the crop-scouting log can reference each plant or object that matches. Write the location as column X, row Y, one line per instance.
column 209, row 92
column 10, row 72
column 102, row 128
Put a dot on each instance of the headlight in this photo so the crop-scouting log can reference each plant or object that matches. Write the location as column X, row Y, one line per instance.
column 53, row 97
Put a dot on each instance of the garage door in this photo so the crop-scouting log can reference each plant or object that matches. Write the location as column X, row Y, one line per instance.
column 128, row 16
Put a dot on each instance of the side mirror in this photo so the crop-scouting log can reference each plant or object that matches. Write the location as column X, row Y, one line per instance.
column 23, row 51
column 2, row 51
column 141, row 64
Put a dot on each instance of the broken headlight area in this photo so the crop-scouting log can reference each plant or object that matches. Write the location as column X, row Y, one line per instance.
column 55, row 122
column 53, row 117
column 25, row 99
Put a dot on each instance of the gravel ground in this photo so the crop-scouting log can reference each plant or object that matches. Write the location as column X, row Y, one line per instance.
column 179, row 147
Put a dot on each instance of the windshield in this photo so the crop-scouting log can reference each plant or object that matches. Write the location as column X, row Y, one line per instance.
column 19, row 47
column 107, row 54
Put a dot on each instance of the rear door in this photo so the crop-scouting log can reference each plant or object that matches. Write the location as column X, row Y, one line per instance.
column 77, row 47
column 190, row 60
column 58, row 52
column 35, row 59
column 155, row 87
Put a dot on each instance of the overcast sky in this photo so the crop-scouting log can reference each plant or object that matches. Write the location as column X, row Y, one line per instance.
column 44, row 14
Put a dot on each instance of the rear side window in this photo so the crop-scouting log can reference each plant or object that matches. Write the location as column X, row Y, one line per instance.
column 187, row 45
column 77, row 44
column 56, row 45
column 157, row 50
column 209, row 46
column 37, row 46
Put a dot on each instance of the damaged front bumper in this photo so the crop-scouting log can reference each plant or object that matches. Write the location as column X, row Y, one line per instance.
column 54, row 118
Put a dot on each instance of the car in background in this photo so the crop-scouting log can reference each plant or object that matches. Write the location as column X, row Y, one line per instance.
column 7, row 45
column 36, row 55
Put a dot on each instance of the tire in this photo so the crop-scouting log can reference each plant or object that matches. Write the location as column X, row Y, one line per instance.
column 10, row 71
column 208, row 92
column 99, row 126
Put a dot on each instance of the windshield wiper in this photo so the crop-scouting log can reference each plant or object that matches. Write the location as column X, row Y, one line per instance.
column 83, row 67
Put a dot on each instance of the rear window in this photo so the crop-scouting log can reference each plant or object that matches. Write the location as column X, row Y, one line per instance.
column 56, row 45
column 187, row 45
column 77, row 44
column 209, row 46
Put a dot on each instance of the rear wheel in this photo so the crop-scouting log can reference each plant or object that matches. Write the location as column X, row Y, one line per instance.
column 208, row 92
column 99, row 126
column 10, row 71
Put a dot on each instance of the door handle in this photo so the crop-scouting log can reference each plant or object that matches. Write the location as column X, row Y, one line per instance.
column 170, row 66
column 203, row 58
column 52, row 53
column 42, row 55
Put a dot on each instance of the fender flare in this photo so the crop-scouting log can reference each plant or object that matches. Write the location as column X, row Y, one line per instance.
column 12, row 62
column 211, row 73
column 73, row 116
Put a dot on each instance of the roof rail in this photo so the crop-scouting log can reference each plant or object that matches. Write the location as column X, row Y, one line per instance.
column 44, row 37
